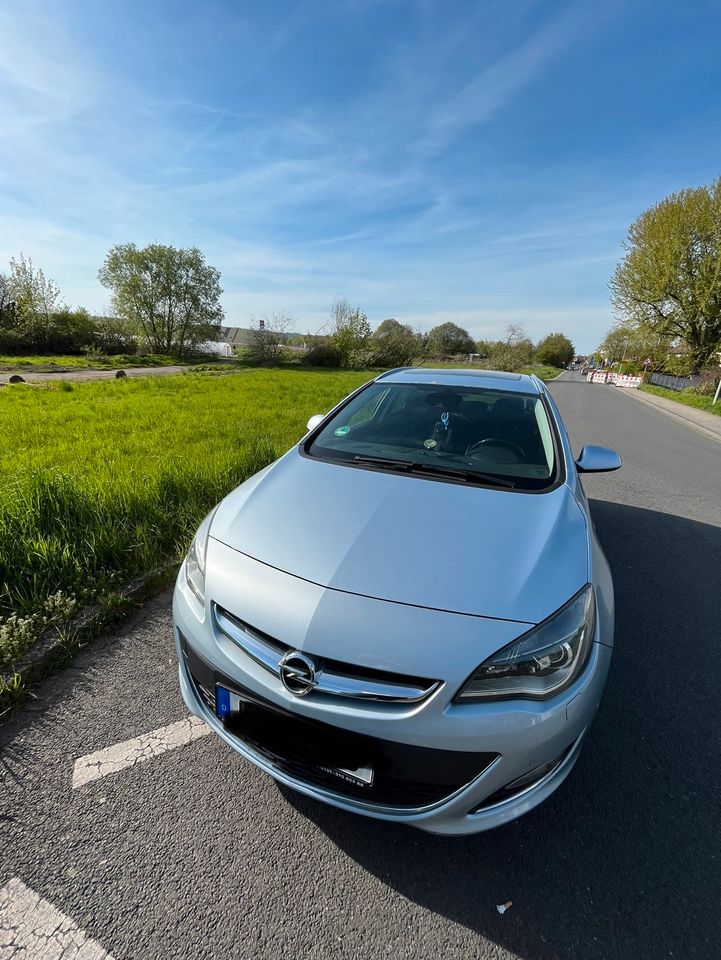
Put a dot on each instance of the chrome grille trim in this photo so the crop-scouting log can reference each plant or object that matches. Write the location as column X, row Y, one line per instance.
column 329, row 681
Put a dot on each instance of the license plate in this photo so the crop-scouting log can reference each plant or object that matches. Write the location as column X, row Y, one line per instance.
column 361, row 776
column 226, row 702
column 228, row 705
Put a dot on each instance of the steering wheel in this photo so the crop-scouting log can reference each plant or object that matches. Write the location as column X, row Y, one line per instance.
column 497, row 442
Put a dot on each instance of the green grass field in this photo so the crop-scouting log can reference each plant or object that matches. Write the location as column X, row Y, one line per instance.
column 688, row 397
column 100, row 482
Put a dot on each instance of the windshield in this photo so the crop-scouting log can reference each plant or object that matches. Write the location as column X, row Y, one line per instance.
column 462, row 434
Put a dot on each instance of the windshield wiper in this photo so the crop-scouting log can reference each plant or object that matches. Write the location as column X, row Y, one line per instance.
column 404, row 465
column 408, row 466
column 472, row 475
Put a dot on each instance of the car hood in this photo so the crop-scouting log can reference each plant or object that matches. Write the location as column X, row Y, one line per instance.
column 447, row 546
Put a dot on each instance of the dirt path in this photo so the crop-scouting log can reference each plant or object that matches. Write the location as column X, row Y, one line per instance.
column 86, row 374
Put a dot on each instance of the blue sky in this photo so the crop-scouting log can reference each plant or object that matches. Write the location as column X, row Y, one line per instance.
column 469, row 161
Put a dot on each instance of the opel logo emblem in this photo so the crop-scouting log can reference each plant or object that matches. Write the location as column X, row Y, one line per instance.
column 297, row 673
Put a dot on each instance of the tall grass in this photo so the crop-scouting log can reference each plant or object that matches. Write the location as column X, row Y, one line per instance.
column 111, row 480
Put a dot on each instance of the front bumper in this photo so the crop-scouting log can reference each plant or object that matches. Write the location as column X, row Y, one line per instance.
column 517, row 736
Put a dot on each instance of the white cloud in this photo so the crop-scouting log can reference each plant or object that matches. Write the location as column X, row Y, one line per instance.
column 295, row 209
column 37, row 66
column 488, row 92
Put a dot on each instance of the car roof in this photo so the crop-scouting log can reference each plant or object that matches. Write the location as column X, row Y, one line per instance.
column 490, row 379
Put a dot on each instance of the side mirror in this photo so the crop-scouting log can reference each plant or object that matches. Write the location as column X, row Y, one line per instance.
column 315, row 420
column 597, row 460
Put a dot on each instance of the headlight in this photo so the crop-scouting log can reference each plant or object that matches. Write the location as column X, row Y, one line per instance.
column 195, row 561
column 542, row 662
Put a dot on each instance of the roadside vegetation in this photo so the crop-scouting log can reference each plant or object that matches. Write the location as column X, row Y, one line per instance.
column 540, row 370
column 106, row 481
column 691, row 398
column 666, row 292
column 101, row 483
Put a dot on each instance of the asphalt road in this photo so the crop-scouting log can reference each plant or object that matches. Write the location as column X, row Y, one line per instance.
column 193, row 853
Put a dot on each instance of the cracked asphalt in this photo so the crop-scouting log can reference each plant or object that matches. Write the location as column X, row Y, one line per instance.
column 184, row 850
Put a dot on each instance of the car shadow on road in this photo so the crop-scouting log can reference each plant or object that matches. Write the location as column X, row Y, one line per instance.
column 624, row 860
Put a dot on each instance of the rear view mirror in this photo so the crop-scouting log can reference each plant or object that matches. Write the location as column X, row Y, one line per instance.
column 597, row 460
column 316, row 419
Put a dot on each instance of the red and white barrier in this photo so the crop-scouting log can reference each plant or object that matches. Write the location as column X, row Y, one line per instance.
column 626, row 380
column 618, row 379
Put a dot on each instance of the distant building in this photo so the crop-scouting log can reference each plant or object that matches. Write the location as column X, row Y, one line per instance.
column 236, row 336
column 219, row 347
column 239, row 337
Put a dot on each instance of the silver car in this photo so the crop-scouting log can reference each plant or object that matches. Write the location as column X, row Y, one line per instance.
column 408, row 615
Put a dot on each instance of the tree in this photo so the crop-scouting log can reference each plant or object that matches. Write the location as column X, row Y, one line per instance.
column 513, row 352
column 556, row 350
column 448, row 339
column 169, row 294
column 350, row 334
column 670, row 278
column 395, row 344
column 515, row 334
column 7, row 306
column 35, row 298
column 31, row 317
column 267, row 335
column 625, row 342
column 35, row 295
column 10, row 340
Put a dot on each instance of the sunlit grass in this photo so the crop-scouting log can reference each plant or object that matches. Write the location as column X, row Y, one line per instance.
column 689, row 397
column 104, row 481
column 111, row 479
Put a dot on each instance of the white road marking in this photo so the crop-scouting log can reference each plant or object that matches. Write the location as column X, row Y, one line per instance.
column 33, row 929
column 127, row 754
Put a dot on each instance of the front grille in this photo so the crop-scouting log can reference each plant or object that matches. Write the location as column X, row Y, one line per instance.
column 333, row 678
column 308, row 750
column 207, row 695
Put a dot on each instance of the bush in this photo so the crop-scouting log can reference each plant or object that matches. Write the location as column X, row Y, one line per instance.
column 12, row 341
column 448, row 339
column 394, row 344
column 323, row 355
column 510, row 356
column 66, row 332
column 111, row 336
column 351, row 334
column 709, row 381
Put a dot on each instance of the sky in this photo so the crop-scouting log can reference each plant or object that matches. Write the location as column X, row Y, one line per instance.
column 477, row 161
